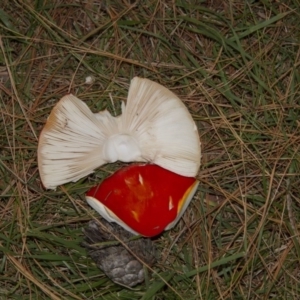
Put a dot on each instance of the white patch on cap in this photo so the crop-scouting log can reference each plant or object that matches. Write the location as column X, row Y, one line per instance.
column 171, row 203
column 141, row 180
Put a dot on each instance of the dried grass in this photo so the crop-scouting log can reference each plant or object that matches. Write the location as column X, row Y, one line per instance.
column 236, row 66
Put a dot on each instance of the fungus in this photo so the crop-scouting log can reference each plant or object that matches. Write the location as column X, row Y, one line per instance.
column 154, row 127
column 144, row 199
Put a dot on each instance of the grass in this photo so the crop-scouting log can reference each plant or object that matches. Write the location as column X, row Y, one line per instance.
column 235, row 64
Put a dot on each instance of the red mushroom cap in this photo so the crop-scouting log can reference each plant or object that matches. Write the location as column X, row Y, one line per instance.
column 144, row 199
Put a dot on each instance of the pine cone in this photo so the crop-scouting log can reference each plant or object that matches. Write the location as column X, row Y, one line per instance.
column 112, row 257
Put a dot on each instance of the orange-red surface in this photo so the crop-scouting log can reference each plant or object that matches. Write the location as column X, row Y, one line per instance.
column 145, row 197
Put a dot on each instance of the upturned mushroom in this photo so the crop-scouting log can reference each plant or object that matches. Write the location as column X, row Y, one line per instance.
column 154, row 127
column 144, row 199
